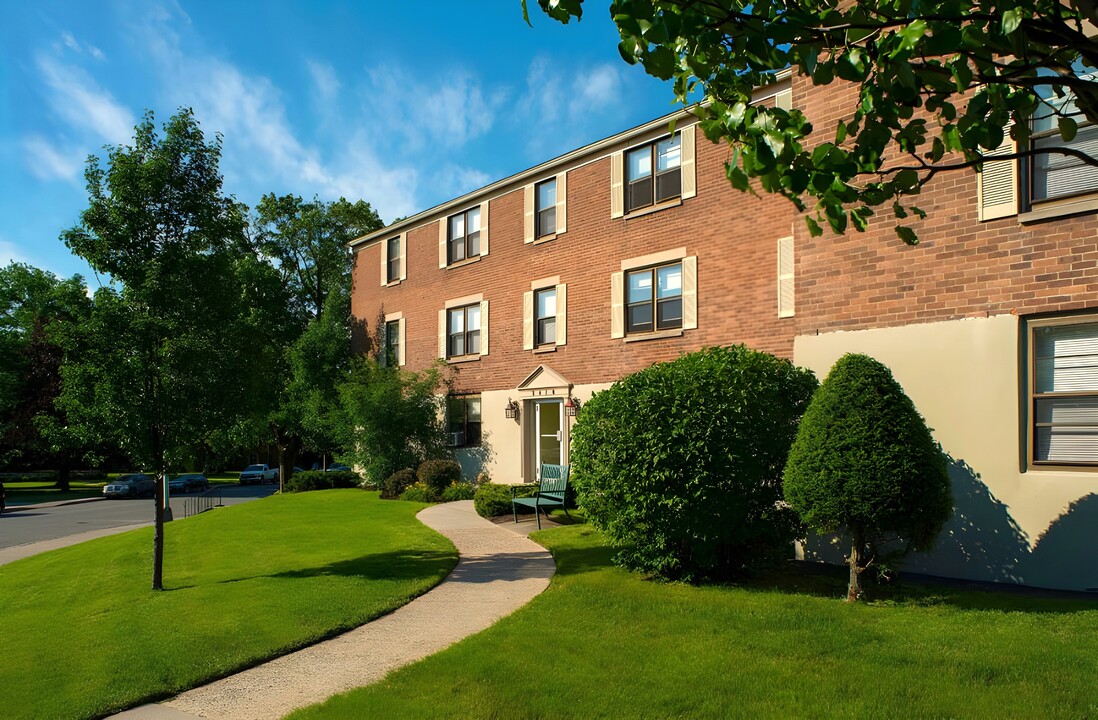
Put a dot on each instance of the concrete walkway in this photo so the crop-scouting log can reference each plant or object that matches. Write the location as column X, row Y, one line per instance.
column 500, row 570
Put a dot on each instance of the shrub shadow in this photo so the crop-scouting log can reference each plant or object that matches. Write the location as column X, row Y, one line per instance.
column 396, row 565
column 1066, row 547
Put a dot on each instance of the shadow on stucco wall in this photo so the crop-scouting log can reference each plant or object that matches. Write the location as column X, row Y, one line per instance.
column 1065, row 552
column 475, row 460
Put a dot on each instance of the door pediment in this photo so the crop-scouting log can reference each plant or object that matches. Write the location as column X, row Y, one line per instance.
column 544, row 382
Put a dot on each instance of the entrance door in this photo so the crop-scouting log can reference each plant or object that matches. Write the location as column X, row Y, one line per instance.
column 548, row 425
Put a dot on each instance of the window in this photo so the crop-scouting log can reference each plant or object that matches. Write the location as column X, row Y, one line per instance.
column 641, row 188
column 546, row 193
column 1064, row 392
column 463, row 331
column 463, row 413
column 545, row 323
column 653, row 299
column 392, row 262
column 1053, row 176
column 392, row 343
column 463, row 235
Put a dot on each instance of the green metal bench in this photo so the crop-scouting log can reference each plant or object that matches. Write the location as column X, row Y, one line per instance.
column 550, row 493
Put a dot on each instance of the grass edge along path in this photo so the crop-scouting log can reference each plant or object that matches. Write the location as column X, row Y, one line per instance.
column 84, row 636
column 604, row 642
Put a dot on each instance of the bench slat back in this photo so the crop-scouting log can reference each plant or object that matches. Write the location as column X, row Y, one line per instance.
column 554, row 478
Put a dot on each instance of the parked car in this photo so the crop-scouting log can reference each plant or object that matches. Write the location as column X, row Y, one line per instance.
column 258, row 474
column 130, row 486
column 191, row 482
column 337, row 467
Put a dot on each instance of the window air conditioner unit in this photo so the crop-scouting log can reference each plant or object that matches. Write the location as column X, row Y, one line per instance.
column 457, row 439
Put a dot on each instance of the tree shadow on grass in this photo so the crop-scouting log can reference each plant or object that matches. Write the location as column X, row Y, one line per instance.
column 394, row 566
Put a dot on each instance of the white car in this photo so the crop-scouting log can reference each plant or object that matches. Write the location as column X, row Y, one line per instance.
column 258, row 474
column 130, row 486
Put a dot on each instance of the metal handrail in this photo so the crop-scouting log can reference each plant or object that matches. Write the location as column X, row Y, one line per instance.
column 201, row 503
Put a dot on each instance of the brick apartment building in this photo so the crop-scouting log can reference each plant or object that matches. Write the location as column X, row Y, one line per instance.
column 547, row 286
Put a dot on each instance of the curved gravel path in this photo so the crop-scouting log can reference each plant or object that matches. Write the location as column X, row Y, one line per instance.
column 499, row 572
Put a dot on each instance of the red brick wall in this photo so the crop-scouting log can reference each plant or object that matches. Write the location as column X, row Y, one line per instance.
column 734, row 236
column 961, row 267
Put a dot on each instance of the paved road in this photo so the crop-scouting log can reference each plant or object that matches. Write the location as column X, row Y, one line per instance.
column 19, row 527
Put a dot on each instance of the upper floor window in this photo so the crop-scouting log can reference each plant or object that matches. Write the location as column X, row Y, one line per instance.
column 463, row 331
column 653, row 299
column 463, row 419
column 1064, row 391
column 392, row 262
column 652, row 173
column 463, row 235
column 1055, row 175
column 546, row 207
column 545, row 324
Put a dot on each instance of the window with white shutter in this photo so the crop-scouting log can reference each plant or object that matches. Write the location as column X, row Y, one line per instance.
column 1064, row 391
column 785, row 277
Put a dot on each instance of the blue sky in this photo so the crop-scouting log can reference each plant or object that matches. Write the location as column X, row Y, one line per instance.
column 401, row 104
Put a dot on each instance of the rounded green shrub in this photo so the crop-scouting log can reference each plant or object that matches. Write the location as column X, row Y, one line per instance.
column 417, row 492
column 439, row 474
column 680, row 464
column 459, row 491
column 320, row 480
column 864, row 463
column 397, row 483
column 492, row 499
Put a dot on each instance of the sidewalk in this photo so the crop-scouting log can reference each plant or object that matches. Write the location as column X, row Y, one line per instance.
column 500, row 570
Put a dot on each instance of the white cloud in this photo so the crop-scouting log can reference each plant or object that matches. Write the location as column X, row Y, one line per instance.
column 453, row 180
column 564, row 106
column 10, row 253
column 69, row 41
column 80, row 102
column 47, row 162
column 325, row 83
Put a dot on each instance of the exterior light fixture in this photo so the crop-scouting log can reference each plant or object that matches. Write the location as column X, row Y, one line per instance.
column 571, row 407
column 512, row 409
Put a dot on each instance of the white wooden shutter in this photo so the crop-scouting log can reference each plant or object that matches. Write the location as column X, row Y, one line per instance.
column 688, row 168
column 484, row 230
column 784, row 100
column 690, row 292
column 562, row 203
column 442, row 334
column 483, row 327
column 617, row 194
column 997, row 184
column 562, row 314
column 617, row 305
column 528, row 214
column 528, row 320
column 442, row 242
column 785, row 277
column 402, row 341
column 384, row 262
column 403, row 263
column 383, row 351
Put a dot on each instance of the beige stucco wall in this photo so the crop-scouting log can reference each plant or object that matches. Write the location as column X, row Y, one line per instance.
column 1010, row 524
column 501, row 453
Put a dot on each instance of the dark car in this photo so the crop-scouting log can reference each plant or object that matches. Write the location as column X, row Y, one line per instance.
column 130, row 486
column 191, row 482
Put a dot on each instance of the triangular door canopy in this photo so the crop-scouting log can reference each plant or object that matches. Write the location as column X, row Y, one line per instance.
column 545, row 381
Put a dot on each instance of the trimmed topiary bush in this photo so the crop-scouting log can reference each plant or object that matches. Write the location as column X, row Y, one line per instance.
column 680, row 464
column 319, row 480
column 492, row 500
column 439, row 474
column 864, row 463
column 397, row 483
column 459, row 491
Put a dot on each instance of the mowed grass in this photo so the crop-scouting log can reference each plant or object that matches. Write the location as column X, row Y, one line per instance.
column 603, row 642
column 82, row 634
column 36, row 491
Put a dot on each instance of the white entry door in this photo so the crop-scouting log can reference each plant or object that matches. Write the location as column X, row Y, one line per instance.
column 548, row 432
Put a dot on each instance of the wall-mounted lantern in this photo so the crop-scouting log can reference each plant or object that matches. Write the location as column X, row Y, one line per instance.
column 571, row 407
column 512, row 409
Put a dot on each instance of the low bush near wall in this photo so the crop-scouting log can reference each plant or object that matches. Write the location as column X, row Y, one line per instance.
column 492, row 499
column 459, row 491
column 319, row 480
column 681, row 464
column 417, row 492
column 393, row 486
column 439, row 474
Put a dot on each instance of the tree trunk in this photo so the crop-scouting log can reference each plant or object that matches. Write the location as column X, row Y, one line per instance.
column 854, row 589
column 158, row 519
column 63, row 474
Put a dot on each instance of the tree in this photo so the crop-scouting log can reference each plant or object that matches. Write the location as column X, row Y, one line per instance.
column 864, row 463
column 932, row 86
column 35, row 307
column 680, row 464
column 305, row 243
column 391, row 419
column 167, row 350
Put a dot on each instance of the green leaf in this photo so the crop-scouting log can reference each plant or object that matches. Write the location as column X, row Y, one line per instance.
column 1011, row 20
column 907, row 235
column 910, row 36
column 814, row 228
column 1068, row 128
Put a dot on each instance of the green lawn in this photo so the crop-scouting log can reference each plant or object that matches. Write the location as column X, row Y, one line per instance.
column 603, row 642
column 82, row 635
column 38, row 491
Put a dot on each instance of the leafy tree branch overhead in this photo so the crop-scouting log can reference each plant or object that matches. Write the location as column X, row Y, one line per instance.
column 934, row 83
